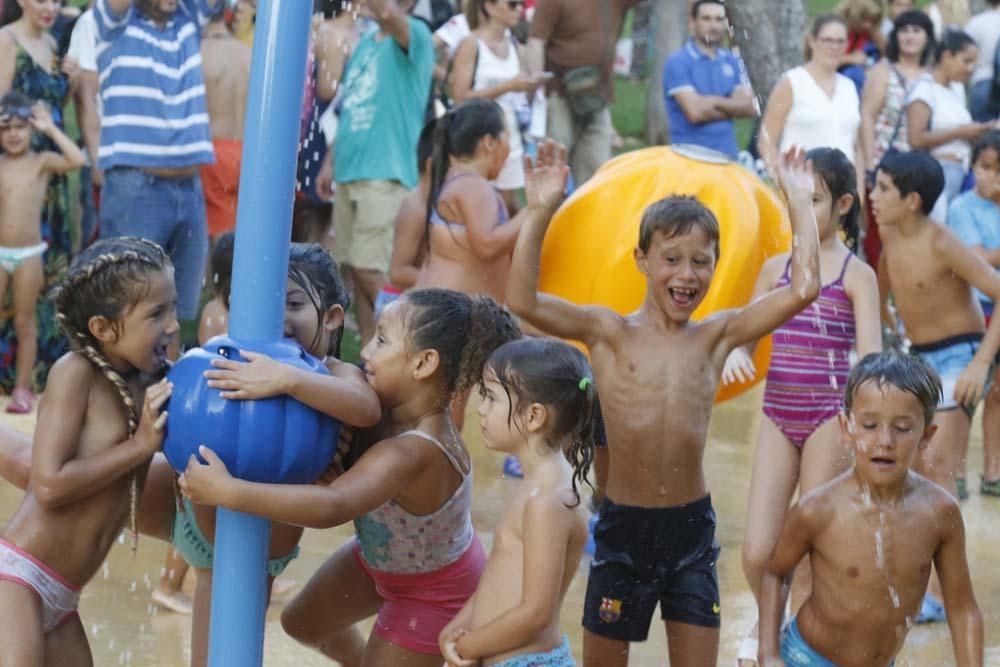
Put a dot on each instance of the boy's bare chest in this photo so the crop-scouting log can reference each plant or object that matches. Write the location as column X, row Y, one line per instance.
column 915, row 272
column 880, row 552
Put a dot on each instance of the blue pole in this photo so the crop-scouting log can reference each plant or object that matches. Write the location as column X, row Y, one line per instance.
column 260, row 267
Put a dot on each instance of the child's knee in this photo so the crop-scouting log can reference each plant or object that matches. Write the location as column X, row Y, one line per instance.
column 295, row 626
column 24, row 322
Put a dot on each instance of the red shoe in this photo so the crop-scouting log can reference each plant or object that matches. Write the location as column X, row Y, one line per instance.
column 21, row 401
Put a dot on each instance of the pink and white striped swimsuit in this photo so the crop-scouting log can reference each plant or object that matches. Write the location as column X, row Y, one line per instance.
column 810, row 361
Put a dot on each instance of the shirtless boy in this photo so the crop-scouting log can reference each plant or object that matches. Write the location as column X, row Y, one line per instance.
column 931, row 273
column 657, row 371
column 872, row 534
column 24, row 182
column 226, row 65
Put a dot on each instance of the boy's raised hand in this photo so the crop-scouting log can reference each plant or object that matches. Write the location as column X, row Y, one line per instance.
column 545, row 176
column 259, row 377
column 204, row 483
column 149, row 434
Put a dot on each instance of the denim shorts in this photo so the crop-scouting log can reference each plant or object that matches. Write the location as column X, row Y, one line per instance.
column 167, row 211
column 949, row 358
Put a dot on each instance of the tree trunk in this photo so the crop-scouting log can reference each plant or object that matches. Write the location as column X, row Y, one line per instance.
column 770, row 36
column 669, row 28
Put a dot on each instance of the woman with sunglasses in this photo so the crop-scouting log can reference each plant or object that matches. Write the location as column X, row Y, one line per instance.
column 30, row 65
column 487, row 64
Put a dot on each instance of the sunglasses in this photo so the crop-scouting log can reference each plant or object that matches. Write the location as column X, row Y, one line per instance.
column 515, row 4
column 8, row 114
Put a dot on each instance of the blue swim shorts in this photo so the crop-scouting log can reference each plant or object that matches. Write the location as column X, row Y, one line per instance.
column 560, row 656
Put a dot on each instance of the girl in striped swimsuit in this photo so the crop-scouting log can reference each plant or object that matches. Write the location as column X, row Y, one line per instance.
column 799, row 443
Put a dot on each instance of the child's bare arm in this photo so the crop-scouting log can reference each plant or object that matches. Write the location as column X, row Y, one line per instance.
column 381, row 474
column 343, row 395
column 768, row 313
column 547, row 525
column 58, row 477
column 487, row 237
column 70, row 157
column 794, row 542
column 964, row 618
column 862, row 288
column 974, row 270
column 15, row 457
column 407, row 239
column 551, row 314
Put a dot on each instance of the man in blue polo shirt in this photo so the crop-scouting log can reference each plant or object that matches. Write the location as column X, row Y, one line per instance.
column 154, row 131
column 705, row 86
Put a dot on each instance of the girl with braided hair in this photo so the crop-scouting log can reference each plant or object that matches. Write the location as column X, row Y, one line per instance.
column 92, row 448
column 315, row 302
column 416, row 558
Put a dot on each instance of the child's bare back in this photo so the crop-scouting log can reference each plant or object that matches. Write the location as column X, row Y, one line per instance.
column 871, row 563
column 72, row 530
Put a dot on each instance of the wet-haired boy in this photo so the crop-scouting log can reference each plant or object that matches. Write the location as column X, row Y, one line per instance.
column 656, row 371
column 872, row 535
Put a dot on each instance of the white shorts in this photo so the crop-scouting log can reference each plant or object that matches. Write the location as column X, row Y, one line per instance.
column 59, row 597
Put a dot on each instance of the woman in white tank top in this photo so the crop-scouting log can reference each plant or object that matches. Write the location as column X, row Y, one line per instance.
column 487, row 64
column 813, row 106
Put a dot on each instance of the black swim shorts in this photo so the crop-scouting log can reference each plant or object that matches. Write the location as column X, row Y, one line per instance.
column 649, row 555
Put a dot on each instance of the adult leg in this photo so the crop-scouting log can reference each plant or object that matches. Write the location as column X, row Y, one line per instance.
column 22, row 641
column 823, row 458
column 67, row 645
column 336, row 597
column 188, row 246
column 562, row 125
column 27, row 284
column 593, row 146
column 381, row 653
column 600, row 651
column 692, row 645
column 773, row 477
column 991, row 431
column 367, row 284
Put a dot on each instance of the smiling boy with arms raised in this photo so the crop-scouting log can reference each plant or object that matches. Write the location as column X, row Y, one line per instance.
column 872, row 535
column 656, row 371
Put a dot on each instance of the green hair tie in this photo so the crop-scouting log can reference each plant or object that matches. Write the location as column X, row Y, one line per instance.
column 584, row 383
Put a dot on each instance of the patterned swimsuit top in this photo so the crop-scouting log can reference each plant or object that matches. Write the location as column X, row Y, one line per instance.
column 827, row 324
column 393, row 540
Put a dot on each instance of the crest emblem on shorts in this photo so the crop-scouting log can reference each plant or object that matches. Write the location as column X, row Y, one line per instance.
column 611, row 610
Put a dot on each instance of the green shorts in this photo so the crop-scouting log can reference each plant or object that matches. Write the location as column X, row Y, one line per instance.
column 199, row 553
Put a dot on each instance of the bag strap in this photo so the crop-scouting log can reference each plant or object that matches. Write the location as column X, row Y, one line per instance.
column 902, row 112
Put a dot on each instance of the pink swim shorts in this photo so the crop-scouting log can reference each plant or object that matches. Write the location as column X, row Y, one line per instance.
column 417, row 607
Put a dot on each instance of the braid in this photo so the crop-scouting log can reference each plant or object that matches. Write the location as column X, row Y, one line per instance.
column 103, row 282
